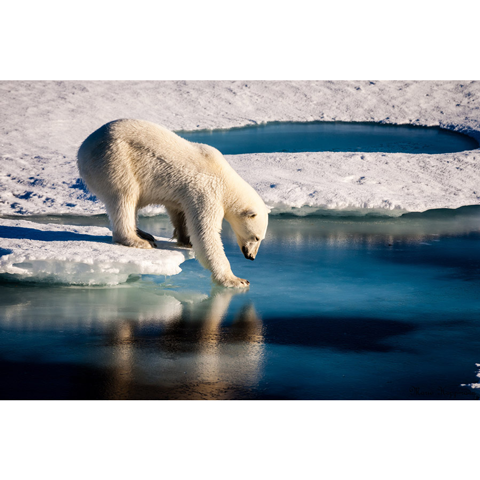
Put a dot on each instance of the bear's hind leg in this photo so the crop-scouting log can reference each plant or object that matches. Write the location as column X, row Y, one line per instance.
column 180, row 233
column 122, row 214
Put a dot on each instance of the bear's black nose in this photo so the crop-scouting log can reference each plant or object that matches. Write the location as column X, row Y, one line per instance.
column 247, row 255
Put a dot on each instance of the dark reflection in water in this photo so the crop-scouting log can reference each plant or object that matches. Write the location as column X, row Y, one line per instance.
column 355, row 334
column 145, row 345
column 339, row 308
column 129, row 342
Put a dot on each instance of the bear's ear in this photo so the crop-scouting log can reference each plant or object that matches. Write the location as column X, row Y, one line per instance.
column 249, row 213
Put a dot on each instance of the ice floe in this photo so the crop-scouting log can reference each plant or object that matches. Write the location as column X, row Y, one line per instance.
column 473, row 385
column 77, row 255
column 42, row 125
column 391, row 184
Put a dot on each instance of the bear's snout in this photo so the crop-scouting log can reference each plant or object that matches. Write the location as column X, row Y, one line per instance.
column 247, row 254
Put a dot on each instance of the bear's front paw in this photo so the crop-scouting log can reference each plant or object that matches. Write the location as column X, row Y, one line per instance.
column 233, row 282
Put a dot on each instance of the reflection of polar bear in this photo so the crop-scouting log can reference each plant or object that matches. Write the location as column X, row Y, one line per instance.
column 130, row 164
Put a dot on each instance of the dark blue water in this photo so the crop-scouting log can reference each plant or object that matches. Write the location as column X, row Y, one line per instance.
column 333, row 137
column 337, row 309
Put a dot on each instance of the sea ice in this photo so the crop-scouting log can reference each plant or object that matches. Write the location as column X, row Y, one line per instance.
column 473, row 385
column 78, row 255
column 392, row 183
column 44, row 123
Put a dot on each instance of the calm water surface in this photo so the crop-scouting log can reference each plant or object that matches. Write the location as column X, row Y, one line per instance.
column 339, row 308
column 332, row 137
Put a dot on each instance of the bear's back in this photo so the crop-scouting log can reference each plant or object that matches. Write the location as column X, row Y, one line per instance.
column 144, row 142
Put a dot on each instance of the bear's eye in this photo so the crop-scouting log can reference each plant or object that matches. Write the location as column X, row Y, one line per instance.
column 257, row 239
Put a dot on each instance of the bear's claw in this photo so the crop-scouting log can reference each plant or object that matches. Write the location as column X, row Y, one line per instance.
column 145, row 235
column 234, row 282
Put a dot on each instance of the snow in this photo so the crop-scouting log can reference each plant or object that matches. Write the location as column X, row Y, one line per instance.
column 367, row 182
column 78, row 255
column 43, row 124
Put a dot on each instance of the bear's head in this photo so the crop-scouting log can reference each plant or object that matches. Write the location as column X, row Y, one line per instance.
column 250, row 227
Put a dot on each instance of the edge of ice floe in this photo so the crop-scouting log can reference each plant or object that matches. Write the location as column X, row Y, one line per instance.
column 64, row 254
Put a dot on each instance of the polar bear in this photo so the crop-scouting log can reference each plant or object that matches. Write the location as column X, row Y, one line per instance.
column 129, row 164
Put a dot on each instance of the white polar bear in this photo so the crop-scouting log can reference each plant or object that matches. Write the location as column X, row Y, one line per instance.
column 129, row 164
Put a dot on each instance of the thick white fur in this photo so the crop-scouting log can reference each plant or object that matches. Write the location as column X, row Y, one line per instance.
column 129, row 164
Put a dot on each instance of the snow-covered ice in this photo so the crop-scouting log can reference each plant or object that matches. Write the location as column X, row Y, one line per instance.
column 43, row 124
column 367, row 182
column 78, row 255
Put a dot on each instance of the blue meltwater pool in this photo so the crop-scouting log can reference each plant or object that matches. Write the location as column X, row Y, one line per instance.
column 332, row 137
column 339, row 308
